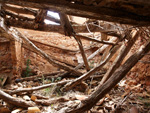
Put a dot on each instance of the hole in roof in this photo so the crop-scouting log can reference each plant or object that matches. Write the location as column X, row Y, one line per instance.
column 55, row 15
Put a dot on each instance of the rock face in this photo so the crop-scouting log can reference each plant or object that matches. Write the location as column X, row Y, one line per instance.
column 5, row 56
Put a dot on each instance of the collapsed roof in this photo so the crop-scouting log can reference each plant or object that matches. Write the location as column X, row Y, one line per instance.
column 133, row 12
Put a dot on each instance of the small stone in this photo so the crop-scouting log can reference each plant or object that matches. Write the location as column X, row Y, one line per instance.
column 26, row 97
column 16, row 110
column 133, row 110
column 4, row 110
column 33, row 98
column 14, row 95
column 20, row 85
column 80, row 97
column 33, row 110
column 15, row 87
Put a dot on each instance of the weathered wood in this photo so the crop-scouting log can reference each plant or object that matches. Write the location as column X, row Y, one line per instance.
column 77, row 81
column 101, row 49
column 96, row 12
column 112, row 81
column 37, row 77
column 94, row 40
column 15, row 101
column 124, row 51
column 50, row 28
column 69, row 31
column 17, row 16
column 36, row 88
column 20, row 10
column 83, row 53
column 49, row 102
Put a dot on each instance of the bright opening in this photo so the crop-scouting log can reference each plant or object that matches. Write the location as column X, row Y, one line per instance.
column 55, row 15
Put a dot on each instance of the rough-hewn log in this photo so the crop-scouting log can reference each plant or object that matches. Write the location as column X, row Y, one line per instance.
column 48, row 102
column 20, row 10
column 37, row 77
column 56, row 28
column 69, row 31
column 36, row 88
column 96, row 12
column 97, row 52
column 94, row 40
column 43, row 27
column 15, row 101
column 18, row 17
column 112, row 81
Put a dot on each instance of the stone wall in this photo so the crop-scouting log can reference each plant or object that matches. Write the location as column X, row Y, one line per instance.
column 5, row 56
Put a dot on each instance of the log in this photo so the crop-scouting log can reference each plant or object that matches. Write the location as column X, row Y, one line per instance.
column 94, row 40
column 69, row 31
column 112, row 81
column 20, row 10
column 15, row 101
column 111, row 14
column 49, row 102
column 13, row 15
column 96, row 52
column 32, row 78
column 36, row 88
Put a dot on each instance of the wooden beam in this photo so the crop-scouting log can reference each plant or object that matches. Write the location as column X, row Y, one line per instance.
column 57, row 28
column 94, row 40
column 20, row 10
column 13, row 15
column 96, row 12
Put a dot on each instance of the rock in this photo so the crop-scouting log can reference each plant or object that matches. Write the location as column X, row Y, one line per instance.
column 88, row 2
column 16, row 110
column 33, row 98
column 80, row 97
column 26, row 97
column 4, row 110
column 147, row 80
column 133, row 110
column 33, row 110
column 14, row 95
column 20, row 85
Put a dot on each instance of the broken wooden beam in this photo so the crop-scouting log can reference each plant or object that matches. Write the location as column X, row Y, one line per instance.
column 15, row 101
column 94, row 40
column 36, row 88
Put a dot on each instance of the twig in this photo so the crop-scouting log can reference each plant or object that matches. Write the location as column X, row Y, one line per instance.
column 36, row 88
